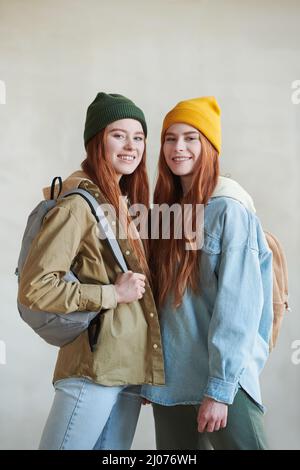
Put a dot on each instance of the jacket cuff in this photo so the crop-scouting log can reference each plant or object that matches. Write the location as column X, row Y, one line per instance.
column 109, row 296
column 220, row 390
column 94, row 298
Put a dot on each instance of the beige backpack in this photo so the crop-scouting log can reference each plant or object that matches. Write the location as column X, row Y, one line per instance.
column 280, row 285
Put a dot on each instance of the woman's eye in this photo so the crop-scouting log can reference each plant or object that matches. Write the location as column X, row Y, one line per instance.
column 118, row 135
column 169, row 139
column 191, row 138
column 139, row 139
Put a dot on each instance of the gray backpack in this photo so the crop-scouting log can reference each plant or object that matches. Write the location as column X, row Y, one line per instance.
column 56, row 328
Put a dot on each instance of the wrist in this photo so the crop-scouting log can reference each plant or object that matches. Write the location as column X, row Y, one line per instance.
column 118, row 297
column 211, row 399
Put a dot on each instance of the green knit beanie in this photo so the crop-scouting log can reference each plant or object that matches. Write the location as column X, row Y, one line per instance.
column 107, row 108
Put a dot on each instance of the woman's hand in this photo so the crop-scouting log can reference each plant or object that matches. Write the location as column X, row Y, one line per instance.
column 130, row 287
column 212, row 415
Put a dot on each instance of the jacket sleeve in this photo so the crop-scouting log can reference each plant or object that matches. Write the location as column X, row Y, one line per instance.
column 238, row 307
column 50, row 257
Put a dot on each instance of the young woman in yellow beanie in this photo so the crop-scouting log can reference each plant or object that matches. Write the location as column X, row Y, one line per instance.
column 91, row 380
column 214, row 300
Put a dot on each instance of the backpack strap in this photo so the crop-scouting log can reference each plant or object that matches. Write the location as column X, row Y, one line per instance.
column 103, row 224
column 52, row 196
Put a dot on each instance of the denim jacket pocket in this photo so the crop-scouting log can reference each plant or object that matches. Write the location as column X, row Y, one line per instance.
column 211, row 245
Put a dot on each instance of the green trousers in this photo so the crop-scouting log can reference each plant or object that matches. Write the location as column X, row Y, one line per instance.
column 176, row 427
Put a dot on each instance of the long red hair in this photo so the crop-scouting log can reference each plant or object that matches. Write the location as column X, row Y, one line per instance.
column 135, row 186
column 173, row 268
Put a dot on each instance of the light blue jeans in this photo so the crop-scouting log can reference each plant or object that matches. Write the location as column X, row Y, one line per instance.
column 86, row 415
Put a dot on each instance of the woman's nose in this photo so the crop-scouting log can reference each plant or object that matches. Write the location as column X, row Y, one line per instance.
column 180, row 145
column 129, row 144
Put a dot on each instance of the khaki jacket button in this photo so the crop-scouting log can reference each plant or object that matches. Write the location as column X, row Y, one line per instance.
column 155, row 346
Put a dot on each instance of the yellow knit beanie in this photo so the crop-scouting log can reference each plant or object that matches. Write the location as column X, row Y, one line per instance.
column 202, row 113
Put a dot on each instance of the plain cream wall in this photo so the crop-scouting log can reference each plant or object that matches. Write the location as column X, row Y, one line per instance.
column 54, row 57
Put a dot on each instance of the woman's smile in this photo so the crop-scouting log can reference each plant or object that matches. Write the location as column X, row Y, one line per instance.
column 181, row 159
column 126, row 158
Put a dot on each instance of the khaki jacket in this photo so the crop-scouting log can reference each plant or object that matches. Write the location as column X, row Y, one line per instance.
column 129, row 349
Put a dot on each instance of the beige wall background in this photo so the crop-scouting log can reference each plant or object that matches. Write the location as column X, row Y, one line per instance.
column 54, row 57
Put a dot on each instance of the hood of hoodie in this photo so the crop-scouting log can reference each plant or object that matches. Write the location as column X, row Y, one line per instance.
column 228, row 187
column 72, row 182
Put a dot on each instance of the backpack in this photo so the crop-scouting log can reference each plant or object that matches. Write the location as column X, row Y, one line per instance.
column 56, row 328
column 280, row 286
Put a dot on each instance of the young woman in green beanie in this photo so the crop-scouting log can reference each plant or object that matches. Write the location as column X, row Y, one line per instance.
column 88, row 383
column 214, row 300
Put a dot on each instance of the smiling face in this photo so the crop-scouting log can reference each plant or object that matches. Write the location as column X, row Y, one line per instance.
column 124, row 143
column 182, row 150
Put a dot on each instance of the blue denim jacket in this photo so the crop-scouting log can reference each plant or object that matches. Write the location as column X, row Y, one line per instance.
column 218, row 340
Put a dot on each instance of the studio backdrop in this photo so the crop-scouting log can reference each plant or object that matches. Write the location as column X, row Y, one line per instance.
column 54, row 58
